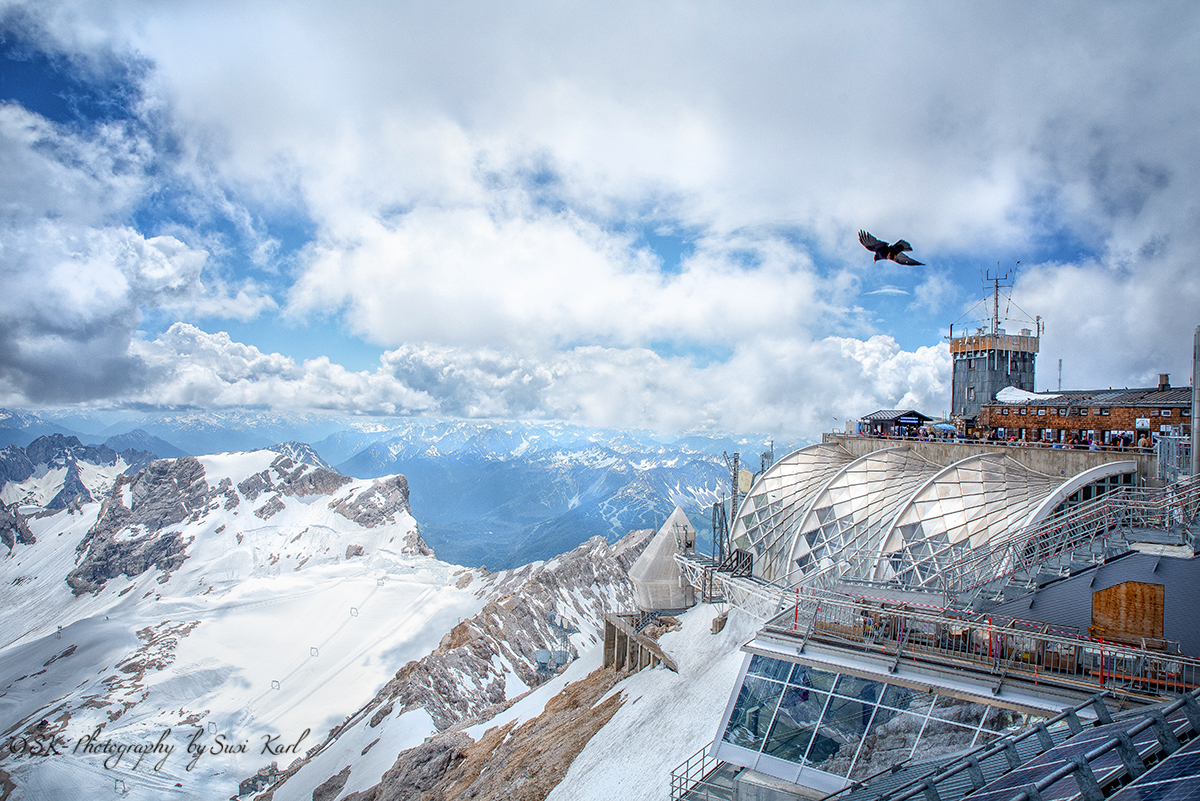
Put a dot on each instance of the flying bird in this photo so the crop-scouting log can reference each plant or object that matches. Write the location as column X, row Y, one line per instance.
column 883, row 250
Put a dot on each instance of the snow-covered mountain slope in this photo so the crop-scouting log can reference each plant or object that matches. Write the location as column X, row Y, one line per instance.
column 55, row 471
column 495, row 493
column 242, row 600
column 590, row 733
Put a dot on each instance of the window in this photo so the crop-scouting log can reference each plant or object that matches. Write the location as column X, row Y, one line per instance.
column 1104, row 412
column 1042, row 412
column 1004, row 411
column 1023, row 411
column 1187, row 412
column 1083, row 412
column 1153, row 412
column 1165, row 412
column 1062, row 412
column 970, row 393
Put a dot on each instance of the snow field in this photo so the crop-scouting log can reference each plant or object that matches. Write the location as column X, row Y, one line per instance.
column 666, row 716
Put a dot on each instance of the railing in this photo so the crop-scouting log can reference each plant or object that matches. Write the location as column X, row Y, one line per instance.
column 1115, row 513
column 688, row 779
column 991, row 644
column 1174, row 458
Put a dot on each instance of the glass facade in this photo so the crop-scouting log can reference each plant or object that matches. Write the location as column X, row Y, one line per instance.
column 819, row 515
column 824, row 729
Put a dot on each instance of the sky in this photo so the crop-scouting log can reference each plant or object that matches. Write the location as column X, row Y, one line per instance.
column 628, row 214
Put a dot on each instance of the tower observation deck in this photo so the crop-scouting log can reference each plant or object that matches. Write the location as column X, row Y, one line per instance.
column 987, row 357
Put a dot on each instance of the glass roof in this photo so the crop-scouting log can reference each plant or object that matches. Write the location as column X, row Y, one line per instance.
column 820, row 515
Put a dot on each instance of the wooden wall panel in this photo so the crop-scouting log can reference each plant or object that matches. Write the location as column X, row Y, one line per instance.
column 1128, row 612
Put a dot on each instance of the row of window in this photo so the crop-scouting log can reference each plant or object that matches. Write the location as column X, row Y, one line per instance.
column 791, row 716
column 1083, row 412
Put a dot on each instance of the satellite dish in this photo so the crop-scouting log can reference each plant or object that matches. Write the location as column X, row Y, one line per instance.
column 745, row 479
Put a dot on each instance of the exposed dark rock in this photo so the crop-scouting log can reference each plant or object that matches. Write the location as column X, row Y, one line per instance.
column 329, row 789
column 460, row 678
column 13, row 528
column 302, row 453
column 376, row 505
column 137, row 460
column 415, row 545
column 270, row 508
column 255, row 485
column 353, row 550
column 163, row 495
column 55, row 449
column 14, row 465
column 73, row 491
column 418, row 771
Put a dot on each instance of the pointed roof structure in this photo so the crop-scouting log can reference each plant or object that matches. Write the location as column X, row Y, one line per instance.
column 657, row 580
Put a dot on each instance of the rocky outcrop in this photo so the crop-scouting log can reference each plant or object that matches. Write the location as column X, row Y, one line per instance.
column 301, row 453
column 415, row 545
column 131, row 539
column 376, row 505
column 13, row 528
column 465, row 675
column 286, row 476
column 55, row 452
column 73, row 491
column 510, row 762
column 14, row 465
column 331, row 788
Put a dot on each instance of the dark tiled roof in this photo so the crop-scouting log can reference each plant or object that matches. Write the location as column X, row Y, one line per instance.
column 1068, row 602
column 894, row 414
column 1150, row 398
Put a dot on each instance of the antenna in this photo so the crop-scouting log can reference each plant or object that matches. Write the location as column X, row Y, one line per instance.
column 1060, row 375
column 994, row 278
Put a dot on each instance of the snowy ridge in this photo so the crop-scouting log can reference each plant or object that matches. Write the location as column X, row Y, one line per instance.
column 55, row 471
column 238, row 594
column 481, row 665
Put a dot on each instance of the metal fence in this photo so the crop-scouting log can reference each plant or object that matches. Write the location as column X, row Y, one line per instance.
column 1001, row 646
column 702, row 778
column 1115, row 514
column 1174, row 458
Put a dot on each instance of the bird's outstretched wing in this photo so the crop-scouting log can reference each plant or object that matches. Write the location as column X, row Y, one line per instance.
column 901, row 245
column 908, row 261
column 869, row 242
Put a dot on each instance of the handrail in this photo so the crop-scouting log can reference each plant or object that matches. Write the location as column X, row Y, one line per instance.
column 994, row 644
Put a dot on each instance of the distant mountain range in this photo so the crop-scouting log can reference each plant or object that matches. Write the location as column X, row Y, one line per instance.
column 489, row 493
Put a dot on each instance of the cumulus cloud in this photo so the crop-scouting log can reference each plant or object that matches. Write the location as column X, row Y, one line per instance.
column 474, row 181
column 779, row 386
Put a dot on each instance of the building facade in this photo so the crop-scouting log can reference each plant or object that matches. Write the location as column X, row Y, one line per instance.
column 985, row 363
column 1106, row 417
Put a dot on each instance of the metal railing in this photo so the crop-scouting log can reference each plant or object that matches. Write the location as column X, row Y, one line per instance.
column 1114, row 514
column 692, row 780
column 1003, row 647
column 1174, row 457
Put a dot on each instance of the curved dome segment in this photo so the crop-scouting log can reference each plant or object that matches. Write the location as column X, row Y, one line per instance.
column 849, row 517
column 1079, row 481
column 972, row 503
column 778, row 501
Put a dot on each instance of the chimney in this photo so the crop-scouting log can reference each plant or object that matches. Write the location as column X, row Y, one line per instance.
column 1164, row 382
